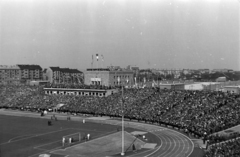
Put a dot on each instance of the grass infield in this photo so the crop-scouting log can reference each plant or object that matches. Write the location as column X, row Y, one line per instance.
column 24, row 136
column 29, row 137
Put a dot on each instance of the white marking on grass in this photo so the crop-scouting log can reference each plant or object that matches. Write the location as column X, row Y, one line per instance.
column 21, row 136
column 86, row 130
column 37, row 147
column 142, row 126
column 102, row 136
column 35, row 136
column 41, row 149
column 44, row 152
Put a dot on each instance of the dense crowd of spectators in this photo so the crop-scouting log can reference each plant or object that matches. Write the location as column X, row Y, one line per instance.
column 217, row 138
column 230, row 148
column 197, row 112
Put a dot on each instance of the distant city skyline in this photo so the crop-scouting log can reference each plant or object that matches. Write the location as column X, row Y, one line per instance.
column 160, row 34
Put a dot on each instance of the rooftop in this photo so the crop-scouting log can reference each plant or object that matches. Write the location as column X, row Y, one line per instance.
column 9, row 67
column 29, row 67
column 66, row 70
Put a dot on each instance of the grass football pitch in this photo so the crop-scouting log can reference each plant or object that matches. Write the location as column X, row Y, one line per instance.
column 29, row 137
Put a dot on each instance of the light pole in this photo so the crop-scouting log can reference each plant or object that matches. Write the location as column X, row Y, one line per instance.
column 122, row 153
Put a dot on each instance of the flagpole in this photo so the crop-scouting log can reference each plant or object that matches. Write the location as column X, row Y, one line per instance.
column 97, row 68
column 92, row 62
column 122, row 126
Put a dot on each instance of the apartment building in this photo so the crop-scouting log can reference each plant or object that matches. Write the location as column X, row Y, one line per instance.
column 64, row 75
column 30, row 72
column 10, row 74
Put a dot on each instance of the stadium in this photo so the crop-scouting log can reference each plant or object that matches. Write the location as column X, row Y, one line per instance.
column 156, row 122
column 120, row 78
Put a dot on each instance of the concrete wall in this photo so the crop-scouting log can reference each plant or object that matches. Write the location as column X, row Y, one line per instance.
column 109, row 78
column 233, row 89
column 49, row 75
column 123, row 75
column 172, row 86
column 102, row 75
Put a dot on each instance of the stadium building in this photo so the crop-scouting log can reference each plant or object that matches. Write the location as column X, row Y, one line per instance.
column 232, row 89
column 58, row 75
column 173, row 86
column 107, row 77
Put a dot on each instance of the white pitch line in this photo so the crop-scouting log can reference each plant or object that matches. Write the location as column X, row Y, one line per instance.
column 102, row 136
column 46, row 144
column 34, row 136
column 20, row 136
column 43, row 152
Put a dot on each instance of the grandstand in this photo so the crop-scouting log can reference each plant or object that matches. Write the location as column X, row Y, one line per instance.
column 200, row 114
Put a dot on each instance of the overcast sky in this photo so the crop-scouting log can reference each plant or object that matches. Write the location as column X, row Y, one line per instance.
column 147, row 33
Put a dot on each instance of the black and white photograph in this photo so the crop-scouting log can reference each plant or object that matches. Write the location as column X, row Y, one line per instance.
column 119, row 78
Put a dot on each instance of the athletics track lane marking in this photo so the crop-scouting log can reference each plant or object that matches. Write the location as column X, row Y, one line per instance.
column 176, row 144
column 158, row 128
column 179, row 147
column 147, row 127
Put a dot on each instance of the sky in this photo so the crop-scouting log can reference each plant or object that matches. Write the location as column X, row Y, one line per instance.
column 162, row 34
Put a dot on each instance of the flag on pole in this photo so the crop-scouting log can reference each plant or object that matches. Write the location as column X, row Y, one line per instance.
column 92, row 61
column 97, row 56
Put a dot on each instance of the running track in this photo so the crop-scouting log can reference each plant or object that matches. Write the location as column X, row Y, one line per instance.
column 173, row 143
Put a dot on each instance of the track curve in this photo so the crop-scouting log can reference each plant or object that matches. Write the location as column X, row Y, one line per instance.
column 173, row 143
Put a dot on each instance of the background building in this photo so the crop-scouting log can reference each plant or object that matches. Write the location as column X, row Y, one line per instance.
column 232, row 89
column 177, row 86
column 20, row 73
column 108, row 77
column 58, row 75
column 30, row 72
column 10, row 74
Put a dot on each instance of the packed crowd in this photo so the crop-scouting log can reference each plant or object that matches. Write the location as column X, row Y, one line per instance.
column 230, row 148
column 218, row 138
column 198, row 112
